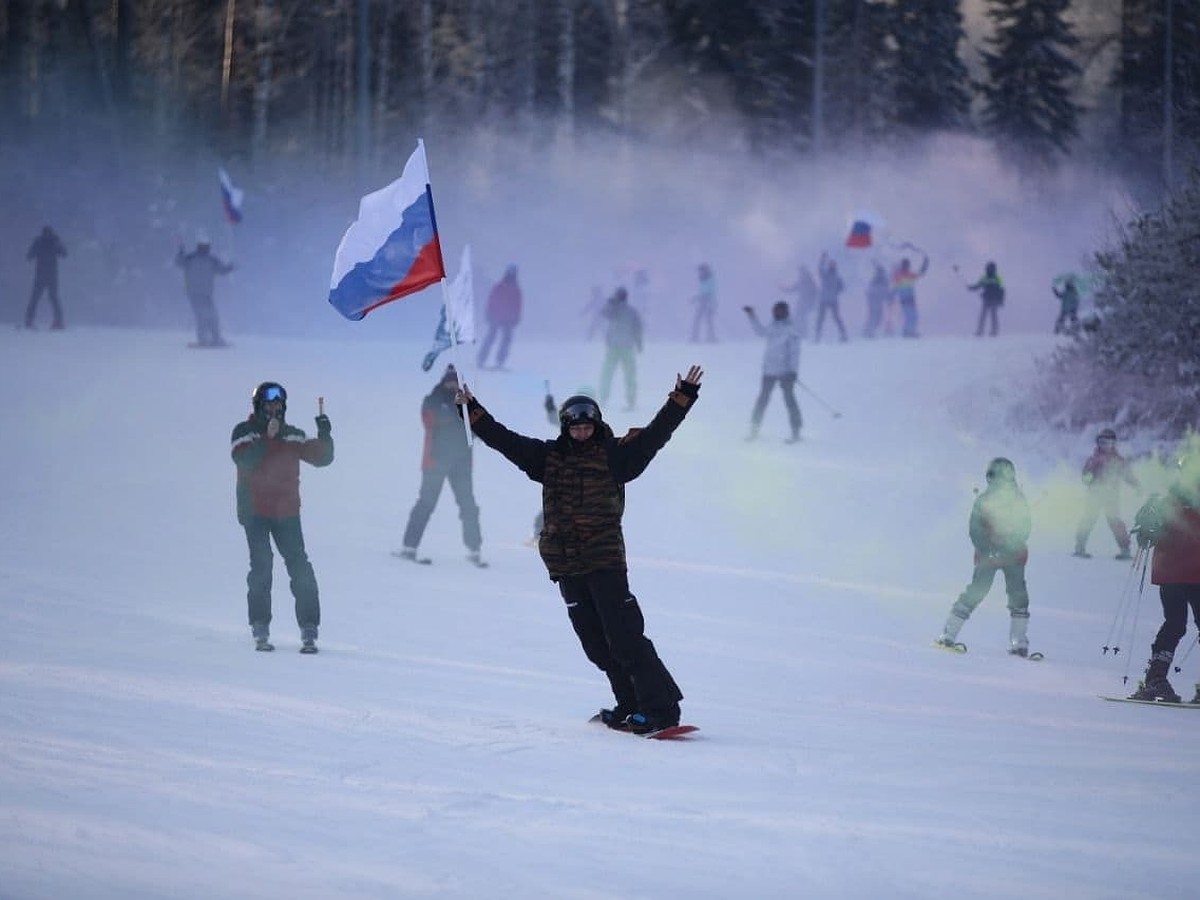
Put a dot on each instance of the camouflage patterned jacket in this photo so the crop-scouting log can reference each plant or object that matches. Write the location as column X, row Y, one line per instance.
column 583, row 484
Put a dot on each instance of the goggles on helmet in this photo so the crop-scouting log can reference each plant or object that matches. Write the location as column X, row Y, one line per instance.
column 274, row 392
column 582, row 412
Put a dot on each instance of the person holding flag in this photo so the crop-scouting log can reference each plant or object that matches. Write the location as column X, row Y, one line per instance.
column 200, row 270
column 904, row 289
column 446, row 457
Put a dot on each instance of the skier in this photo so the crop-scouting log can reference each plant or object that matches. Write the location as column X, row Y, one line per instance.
column 583, row 473
column 878, row 295
column 45, row 252
column 1171, row 525
column 446, row 457
column 623, row 341
column 831, row 289
column 1103, row 473
column 1068, row 311
column 706, row 304
column 503, row 315
column 904, row 289
column 267, row 452
column 991, row 287
column 781, row 363
column 999, row 528
column 200, row 269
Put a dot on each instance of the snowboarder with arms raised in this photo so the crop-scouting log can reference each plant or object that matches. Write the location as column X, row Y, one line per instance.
column 583, row 473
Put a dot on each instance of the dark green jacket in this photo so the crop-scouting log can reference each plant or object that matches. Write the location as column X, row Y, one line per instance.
column 583, row 484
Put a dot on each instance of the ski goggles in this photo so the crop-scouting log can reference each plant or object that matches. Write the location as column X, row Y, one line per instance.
column 274, row 392
column 580, row 413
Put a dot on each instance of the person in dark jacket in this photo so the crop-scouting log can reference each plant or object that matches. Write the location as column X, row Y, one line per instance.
column 583, row 473
column 200, row 269
column 991, row 288
column 503, row 314
column 878, row 295
column 45, row 251
column 446, row 456
column 267, row 452
column 1103, row 473
column 1068, row 309
column 830, row 294
column 1171, row 525
column 999, row 529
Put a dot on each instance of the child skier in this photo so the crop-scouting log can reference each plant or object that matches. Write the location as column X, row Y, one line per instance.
column 1103, row 473
column 999, row 529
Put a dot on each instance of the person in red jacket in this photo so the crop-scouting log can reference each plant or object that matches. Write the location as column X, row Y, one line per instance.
column 446, row 456
column 1103, row 474
column 1171, row 525
column 503, row 314
column 267, row 452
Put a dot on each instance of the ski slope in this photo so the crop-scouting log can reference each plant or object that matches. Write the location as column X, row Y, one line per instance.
column 438, row 746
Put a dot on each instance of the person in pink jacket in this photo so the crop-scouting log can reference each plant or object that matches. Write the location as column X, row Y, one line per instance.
column 503, row 314
column 1171, row 525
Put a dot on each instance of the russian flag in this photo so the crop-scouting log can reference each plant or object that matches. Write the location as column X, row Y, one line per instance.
column 860, row 234
column 392, row 248
column 231, row 197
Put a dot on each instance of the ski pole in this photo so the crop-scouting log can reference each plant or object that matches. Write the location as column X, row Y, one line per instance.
column 809, row 391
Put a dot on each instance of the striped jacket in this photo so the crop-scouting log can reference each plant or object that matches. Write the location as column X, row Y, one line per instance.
column 583, row 484
column 268, row 469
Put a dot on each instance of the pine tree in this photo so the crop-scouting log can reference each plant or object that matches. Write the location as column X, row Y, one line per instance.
column 931, row 79
column 1028, row 108
column 1135, row 364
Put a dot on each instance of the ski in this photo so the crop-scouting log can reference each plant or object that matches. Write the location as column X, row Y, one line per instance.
column 419, row 560
column 1034, row 656
column 1179, row 705
column 956, row 647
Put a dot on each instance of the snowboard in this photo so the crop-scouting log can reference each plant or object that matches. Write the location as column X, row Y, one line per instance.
column 1151, row 702
column 673, row 733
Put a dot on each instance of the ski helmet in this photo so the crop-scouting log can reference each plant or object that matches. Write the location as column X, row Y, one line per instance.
column 780, row 311
column 1001, row 469
column 1107, row 436
column 579, row 409
column 268, row 392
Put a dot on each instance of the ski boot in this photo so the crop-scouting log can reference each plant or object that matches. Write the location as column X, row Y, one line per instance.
column 1154, row 685
column 948, row 643
column 308, row 640
column 262, row 638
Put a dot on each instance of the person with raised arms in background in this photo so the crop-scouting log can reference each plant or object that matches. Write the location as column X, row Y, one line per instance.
column 904, row 289
column 583, row 473
column 200, row 270
column 991, row 289
column 780, row 365
column 45, row 251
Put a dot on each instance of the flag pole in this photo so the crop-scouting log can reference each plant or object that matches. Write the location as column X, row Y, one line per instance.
column 452, row 327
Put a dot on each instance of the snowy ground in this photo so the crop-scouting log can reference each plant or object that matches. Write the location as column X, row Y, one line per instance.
column 438, row 745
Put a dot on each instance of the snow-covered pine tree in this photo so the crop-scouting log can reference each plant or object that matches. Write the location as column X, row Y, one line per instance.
column 932, row 86
column 1028, row 107
column 1136, row 365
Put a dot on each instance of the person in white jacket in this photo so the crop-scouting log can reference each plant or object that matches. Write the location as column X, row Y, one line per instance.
column 781, row 364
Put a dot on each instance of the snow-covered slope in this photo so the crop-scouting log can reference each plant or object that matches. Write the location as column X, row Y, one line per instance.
column 438, row 745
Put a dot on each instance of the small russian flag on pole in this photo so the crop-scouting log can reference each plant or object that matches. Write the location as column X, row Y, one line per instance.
column 231, row 197
column 860, row 234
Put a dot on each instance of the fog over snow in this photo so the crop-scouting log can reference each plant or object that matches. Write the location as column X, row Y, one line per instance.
column 438, row 746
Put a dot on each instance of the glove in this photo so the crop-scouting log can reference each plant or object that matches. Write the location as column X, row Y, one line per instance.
column 324, row 426
column 550, row 406
column 1144, row 538
column 689, row 389
column 748, row 309
column 273, row 426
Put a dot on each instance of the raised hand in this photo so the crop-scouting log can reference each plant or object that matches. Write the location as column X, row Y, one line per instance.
column 695, row 373
column 463, row 395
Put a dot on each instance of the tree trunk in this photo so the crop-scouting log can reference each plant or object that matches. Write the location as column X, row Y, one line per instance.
column 566, row 71
column 265, row 21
